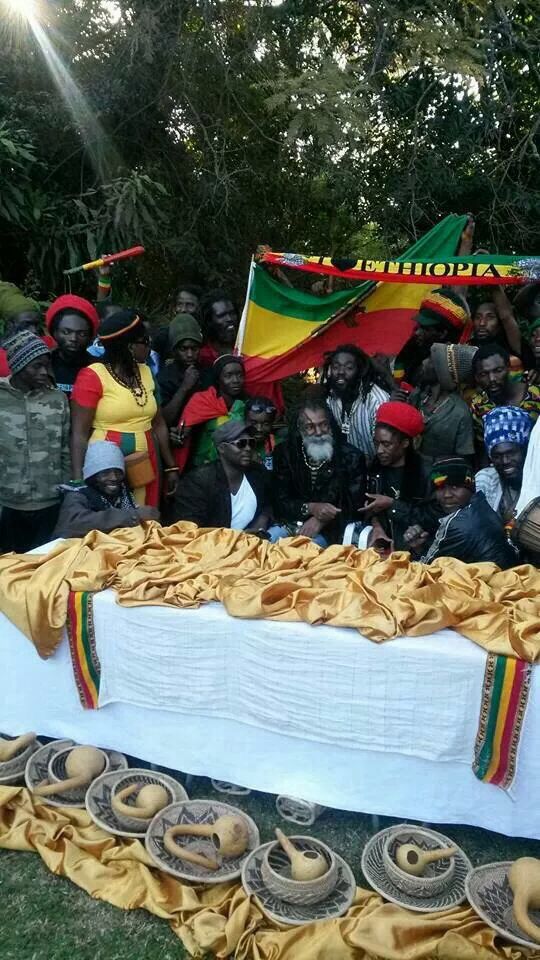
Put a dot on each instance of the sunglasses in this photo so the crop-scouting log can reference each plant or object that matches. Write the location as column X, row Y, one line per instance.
column 262, row 408
column 244, row 442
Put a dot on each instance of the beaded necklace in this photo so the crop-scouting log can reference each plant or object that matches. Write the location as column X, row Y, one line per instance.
column 314, row 467
column 137, row 388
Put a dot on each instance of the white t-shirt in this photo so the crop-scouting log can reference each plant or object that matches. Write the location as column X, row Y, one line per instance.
column 243, row 505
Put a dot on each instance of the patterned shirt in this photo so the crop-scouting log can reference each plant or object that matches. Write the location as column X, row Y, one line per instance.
column 358, row 426
column 481, row 404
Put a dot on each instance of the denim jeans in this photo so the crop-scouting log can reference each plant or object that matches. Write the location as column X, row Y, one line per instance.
column 276, row 533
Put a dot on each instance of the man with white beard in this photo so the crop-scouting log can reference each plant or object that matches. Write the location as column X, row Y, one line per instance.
column 318, row 480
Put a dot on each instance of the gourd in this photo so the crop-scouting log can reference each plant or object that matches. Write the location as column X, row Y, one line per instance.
column 412, row 859
column 229, row 834
column 524, row 880
column 176, row 851
column 150, row 798
column 83, row 764
column 305, row 864
column 9, row 748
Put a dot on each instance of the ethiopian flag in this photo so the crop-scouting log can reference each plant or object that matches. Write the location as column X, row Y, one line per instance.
column 284, row 330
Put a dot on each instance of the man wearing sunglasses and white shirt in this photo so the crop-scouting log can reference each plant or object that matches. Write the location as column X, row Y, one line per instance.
column 231, row 492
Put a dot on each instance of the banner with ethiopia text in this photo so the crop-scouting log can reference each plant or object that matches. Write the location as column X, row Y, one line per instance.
column 284, row 331
column 485, row 269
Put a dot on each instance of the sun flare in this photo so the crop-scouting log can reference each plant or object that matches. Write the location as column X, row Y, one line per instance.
column 26, row 9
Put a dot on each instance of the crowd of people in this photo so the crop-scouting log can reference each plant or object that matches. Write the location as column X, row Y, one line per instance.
column 108, row 422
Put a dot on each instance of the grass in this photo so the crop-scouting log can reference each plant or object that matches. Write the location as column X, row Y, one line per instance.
column 44, row 917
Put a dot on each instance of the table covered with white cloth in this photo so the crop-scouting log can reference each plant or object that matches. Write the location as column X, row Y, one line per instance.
column 316, row 712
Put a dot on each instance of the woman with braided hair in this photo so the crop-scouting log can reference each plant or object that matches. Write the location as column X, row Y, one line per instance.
column 355, row 389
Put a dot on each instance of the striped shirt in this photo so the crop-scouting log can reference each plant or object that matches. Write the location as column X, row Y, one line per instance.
column 487, row 481
column 359, row 425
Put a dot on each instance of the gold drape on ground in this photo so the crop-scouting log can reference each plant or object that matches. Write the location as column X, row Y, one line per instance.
column 222, row 919
column 294, row 580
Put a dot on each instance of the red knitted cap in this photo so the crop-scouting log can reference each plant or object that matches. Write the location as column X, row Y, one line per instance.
column 400, row 416
column 70, row 302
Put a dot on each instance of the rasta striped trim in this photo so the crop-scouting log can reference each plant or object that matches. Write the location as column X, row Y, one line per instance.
column 444, row 307
column 82, row 647
column 505, row 695
column 439, row 479
column 120, row 333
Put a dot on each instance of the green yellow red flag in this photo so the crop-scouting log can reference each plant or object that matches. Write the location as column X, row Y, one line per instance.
column 284, row 330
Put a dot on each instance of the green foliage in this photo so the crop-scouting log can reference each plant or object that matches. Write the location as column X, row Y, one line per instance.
column 202, row 128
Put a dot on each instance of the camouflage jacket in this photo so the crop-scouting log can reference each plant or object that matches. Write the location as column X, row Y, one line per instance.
column 34, row 447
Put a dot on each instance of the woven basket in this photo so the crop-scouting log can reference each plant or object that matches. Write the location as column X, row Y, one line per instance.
column 438, row 875
column 302, row 812
column 15, row 766
column 57, row 764
column 276, row 873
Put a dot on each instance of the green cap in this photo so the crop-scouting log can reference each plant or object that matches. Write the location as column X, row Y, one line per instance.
column 184, row 327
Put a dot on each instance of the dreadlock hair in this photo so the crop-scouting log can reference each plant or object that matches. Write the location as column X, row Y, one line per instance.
column 208, row 302
column 368, row 374
column 413, row 474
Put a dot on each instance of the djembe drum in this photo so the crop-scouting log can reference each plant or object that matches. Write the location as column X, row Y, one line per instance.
column 527, row 530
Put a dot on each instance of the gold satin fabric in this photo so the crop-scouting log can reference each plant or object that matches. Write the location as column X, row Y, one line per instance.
column 292, row 580
column 222, row 919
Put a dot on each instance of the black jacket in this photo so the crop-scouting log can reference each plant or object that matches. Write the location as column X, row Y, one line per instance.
column 415, row 503
column 342, row 483
column 204, row 498
column 474, row 534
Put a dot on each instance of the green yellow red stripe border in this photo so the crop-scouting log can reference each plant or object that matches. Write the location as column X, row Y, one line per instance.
column 505, row 695
column 82, row 646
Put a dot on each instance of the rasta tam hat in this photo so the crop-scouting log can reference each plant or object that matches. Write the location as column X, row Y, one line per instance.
column 230, row 431
column 22, row 348
column 453, row 470
column 122, row 324
column 400, row 416
column 184, row 327
column 506, row 425
column 102, row 455
column 76, row 305
column 443, row 306
column 452, row 363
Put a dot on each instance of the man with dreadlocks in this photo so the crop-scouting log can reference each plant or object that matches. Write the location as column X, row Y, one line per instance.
column 355, row 390
column 319, row 479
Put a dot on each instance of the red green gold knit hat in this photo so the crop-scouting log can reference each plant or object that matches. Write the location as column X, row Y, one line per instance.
column 443, row 306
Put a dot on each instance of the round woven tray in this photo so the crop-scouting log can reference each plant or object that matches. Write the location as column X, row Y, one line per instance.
column 99, row 793
column 37, row 770
column 294, row 914
column 489, row 893
column 13, row 770
column 375, row 873
column 197, row 812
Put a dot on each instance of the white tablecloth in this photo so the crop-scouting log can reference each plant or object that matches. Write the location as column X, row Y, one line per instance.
column 316, row 712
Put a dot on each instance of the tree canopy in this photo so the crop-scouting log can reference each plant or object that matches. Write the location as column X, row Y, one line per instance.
column 202, row 129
